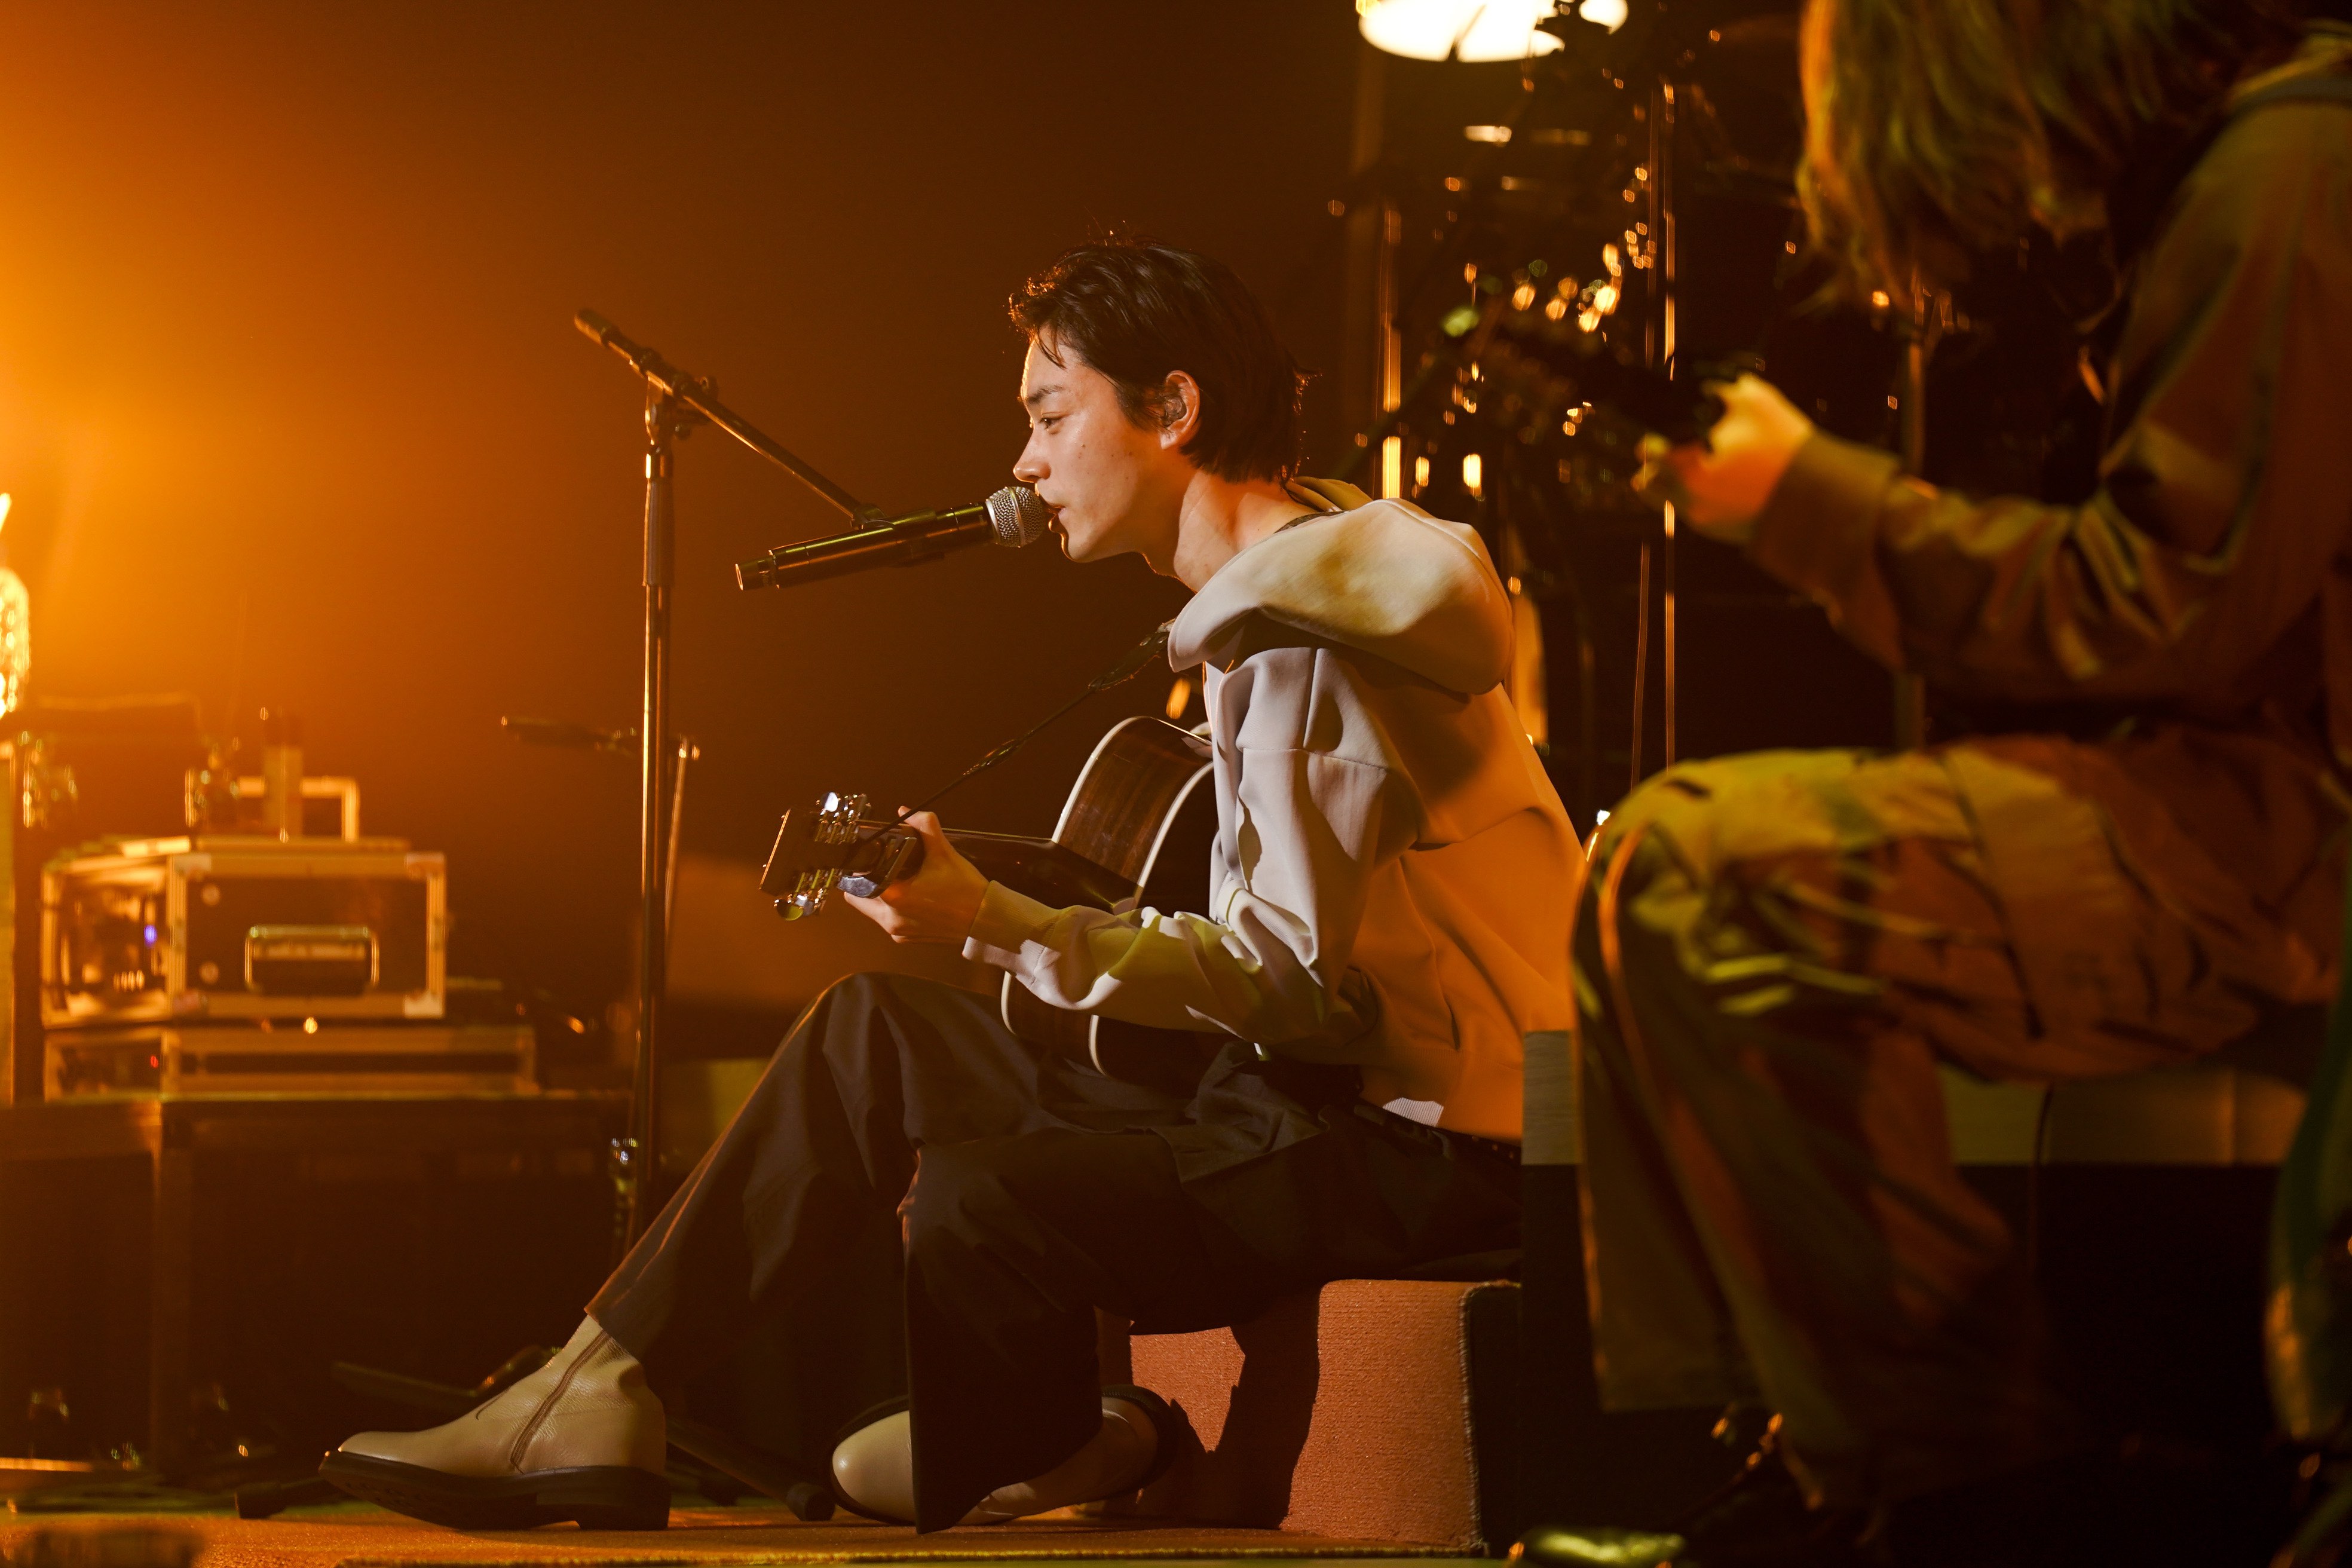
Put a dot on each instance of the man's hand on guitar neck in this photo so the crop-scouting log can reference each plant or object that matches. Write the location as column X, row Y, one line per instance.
column 1719, row 486
column 939, row 902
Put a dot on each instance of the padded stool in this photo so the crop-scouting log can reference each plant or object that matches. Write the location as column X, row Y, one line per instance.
column 1374, row 1410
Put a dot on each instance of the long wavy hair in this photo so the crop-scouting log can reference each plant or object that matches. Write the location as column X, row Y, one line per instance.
column 1938, row 127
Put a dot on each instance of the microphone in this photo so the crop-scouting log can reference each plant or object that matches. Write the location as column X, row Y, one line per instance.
column 604, row 333
column 1012, row 517
column 641, row 359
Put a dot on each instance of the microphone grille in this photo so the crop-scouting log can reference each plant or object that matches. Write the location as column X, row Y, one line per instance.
column 1019, row 516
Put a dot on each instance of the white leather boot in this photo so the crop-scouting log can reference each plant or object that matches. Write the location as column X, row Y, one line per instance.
column 874, row 1466
column 581, row 1438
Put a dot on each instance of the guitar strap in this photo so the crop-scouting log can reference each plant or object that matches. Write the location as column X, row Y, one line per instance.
column 1329, row 495
column 1126, row 668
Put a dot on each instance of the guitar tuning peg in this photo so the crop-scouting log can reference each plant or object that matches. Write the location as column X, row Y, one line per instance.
column 837, row 817
column 808, row 895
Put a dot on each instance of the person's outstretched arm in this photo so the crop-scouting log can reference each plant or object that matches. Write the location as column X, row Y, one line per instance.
column 2226, row 489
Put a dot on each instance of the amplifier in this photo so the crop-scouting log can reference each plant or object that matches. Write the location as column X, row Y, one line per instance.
column 193, row 1061
column 218, row 927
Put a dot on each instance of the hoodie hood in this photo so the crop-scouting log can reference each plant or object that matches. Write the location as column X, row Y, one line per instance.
column 1383, row 576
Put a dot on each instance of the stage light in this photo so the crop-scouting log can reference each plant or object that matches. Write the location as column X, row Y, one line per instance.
column 16, row 629
column 1473, row 474
column 1469, row 30
column 1392, row 467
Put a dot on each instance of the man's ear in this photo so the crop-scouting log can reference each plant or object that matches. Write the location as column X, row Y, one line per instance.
column 1180, row 410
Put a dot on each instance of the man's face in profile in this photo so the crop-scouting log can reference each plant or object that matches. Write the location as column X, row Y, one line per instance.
column 1112, row 487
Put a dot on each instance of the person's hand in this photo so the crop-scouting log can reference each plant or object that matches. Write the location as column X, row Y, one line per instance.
column 1719, row 486
column 939, row 902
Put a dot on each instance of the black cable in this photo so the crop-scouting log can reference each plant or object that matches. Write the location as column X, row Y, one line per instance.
column 1129, row 665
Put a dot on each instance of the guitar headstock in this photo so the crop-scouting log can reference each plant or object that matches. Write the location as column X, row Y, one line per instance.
column 1551, row 363
column 824, row 848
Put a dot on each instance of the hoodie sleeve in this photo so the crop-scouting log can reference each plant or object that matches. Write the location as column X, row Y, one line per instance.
column 1320, row 808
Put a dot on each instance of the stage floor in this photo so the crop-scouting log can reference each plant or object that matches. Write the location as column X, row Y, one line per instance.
column 355, row 1537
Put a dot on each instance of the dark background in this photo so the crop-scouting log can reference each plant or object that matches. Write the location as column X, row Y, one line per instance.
column 293, row 413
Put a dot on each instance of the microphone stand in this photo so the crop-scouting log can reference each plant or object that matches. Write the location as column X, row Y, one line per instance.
column 675, row 402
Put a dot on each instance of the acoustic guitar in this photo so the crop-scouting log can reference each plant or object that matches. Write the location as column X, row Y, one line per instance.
column 1136, row 831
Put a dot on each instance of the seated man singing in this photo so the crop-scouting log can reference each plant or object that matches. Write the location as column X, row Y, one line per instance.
column 919, row 1212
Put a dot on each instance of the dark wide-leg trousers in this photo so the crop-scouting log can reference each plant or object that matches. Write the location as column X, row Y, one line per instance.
column 1775, row 952
column 914, row 1202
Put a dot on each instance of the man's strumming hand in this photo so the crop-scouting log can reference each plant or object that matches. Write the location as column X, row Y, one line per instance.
column 1719, row 486
column 939, row 902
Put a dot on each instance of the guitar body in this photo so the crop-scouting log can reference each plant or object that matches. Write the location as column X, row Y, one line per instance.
column 1144, row 808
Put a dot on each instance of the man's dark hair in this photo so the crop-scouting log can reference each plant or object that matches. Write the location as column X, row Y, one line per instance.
column 1138, row 312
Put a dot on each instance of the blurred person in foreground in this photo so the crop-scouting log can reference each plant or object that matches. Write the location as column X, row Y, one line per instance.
column 916, row 1217
column 1776, row 951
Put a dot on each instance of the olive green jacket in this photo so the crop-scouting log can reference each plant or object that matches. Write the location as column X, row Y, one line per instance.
column 2198, row 608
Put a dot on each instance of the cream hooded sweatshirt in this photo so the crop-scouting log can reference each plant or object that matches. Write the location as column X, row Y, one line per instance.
column 1389, row 884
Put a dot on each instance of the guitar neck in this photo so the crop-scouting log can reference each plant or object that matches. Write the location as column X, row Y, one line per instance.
column 1051, row 873
column 833, row 844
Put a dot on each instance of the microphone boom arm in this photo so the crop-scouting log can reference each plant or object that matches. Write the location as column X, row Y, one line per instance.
column 697, row 393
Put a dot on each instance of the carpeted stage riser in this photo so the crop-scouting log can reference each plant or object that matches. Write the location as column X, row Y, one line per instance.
column 1391, row 1410
column 1394, row 1410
